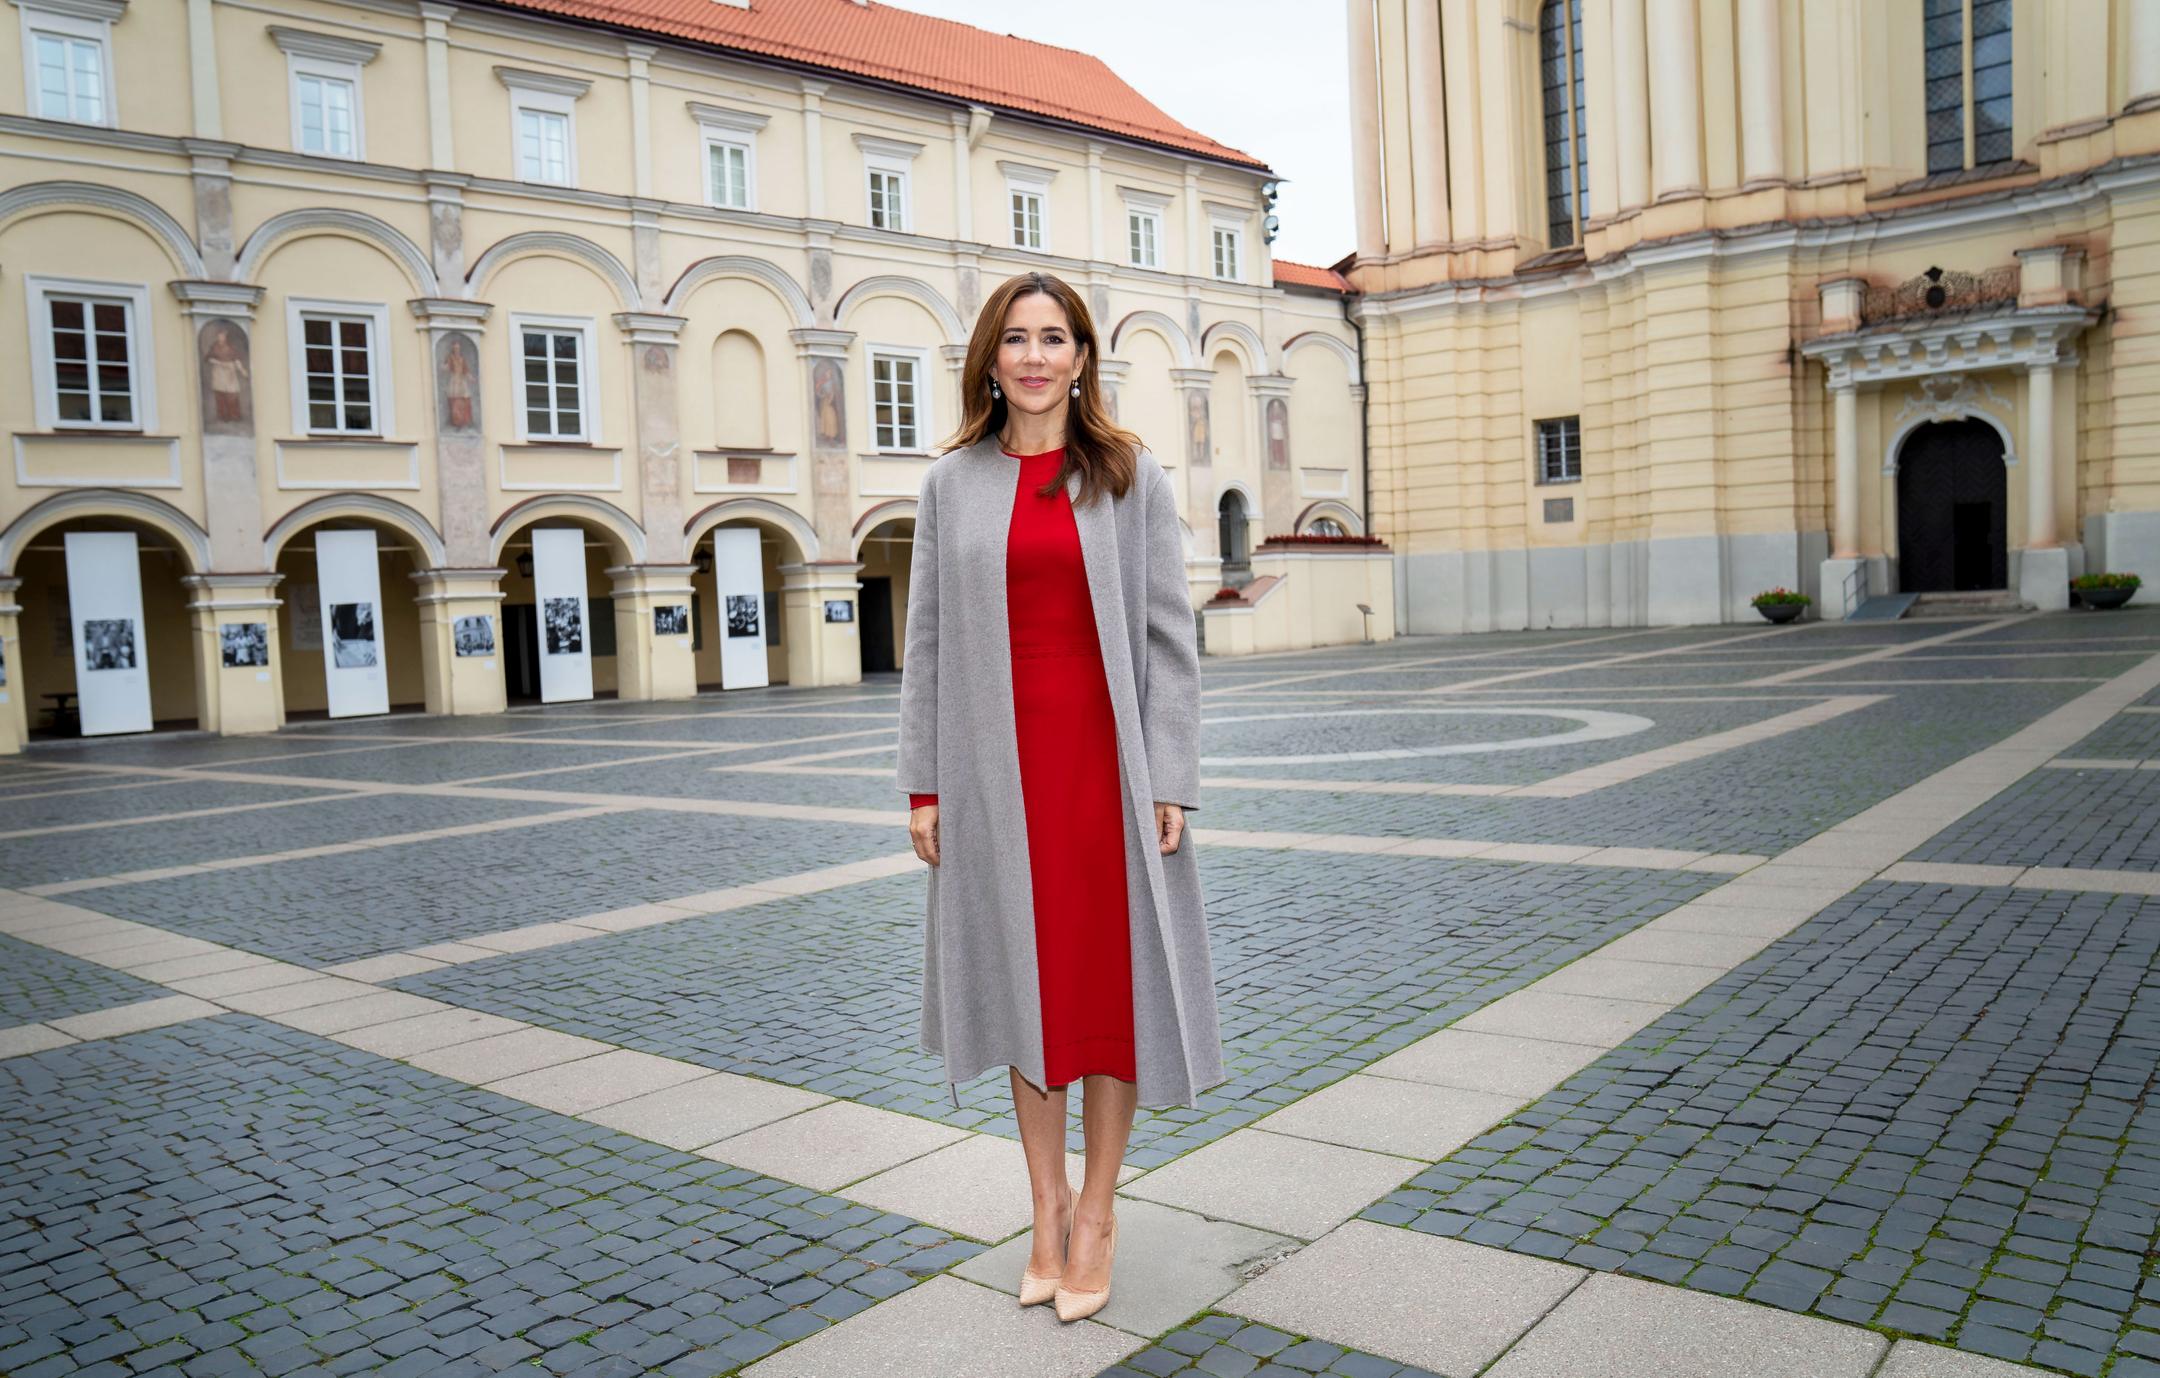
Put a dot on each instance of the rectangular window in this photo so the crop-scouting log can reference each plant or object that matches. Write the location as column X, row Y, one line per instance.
column 1143, row 237
column 1965, row 46
column 1559, row 449
column 727, row 166
column 1226, row 252
column 888, row 199
column 326, row 114
column 338, row 368
column 894, row 402
column 93, row 352
column 553, row 375
column 70, row 78
column 543, row 146
column 1027, row 218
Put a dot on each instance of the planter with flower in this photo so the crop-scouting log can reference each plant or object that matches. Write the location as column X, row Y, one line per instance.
column 1781, row 604
column 2104, row 590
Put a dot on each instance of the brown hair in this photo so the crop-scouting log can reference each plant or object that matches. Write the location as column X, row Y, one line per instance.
column 1105, row 454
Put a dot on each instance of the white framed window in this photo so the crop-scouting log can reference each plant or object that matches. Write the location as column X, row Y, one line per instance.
column 1559, row 450
column 339, row 366
column 886, row 190
column 1027, row 202
column 554, row 373
column 730, row 152
column 899, row 398
column 67, row 59
column 90, row 355
column 1144, row 236
column 543, row 125
column 1228, row 244
column 323, row 74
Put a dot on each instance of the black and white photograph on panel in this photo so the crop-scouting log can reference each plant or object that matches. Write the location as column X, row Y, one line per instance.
column 565, row 626
column 742, row 614
column 671, row 619
column 839, row 610
column 475, row 636
column 245, row 644
column 352, row 635
column 108, row 643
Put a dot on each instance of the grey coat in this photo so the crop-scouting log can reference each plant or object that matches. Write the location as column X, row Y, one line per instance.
column 981, row 1003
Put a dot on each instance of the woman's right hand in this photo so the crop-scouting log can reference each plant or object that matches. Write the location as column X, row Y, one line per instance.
column 922, row 831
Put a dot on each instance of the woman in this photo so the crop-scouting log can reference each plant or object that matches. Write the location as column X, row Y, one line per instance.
column 1049, row 745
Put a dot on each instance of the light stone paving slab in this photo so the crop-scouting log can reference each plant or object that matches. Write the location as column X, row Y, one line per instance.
column 704, row 1111
column 453, row 953
column 977, row 1187
column 322, row 990
column 1938, row 873
column 1384, row 1115
column 637, row 916
column 523, row 1050
column 135, row 956
column 209, row 964
column 222, row 985
column 1274, row 1182
column 529, row 937
column 947, row 1328
column 1169, row 1265
column 1535, row 1013
column 1913, row 1359
column 388, row 967
column 408, row 1038
column 832, row 1145
column 1415, row 1298
column 2112, row 882
column 1621, row 1327
column 1622, row 977
column 133, row 1018
column 1505, row 1066
column 572, row 1088
column 1716, row 953
column 25, row 1039
column 1536, row 853
column 383, row 1007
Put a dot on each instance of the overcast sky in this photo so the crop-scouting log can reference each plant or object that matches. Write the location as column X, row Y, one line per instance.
column 1270, row 77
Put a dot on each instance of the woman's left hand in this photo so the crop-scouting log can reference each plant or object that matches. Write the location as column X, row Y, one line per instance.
column 1169, row 826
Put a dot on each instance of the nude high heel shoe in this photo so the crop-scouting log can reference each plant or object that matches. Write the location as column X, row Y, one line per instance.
column 1036, row 1289
column 1078, row 1306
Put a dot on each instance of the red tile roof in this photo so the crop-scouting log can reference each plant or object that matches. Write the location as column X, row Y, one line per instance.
column 909, row 49
column 1288, row 274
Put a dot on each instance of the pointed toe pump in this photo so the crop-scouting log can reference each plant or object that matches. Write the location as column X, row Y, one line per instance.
column 1078, row 1306
column 1035, row 1288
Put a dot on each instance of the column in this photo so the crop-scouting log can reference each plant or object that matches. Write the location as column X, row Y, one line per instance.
column 1675, row 99
column 2044, row 567
column 1196, row 226
column 813, row 121
column 1095, row 206
column 963, row 180
column 233, row 699
column 640, row 59
column 834, row 648
column 435, row 21
column 1278, row 480
column 1845, row 536
column 649, row 665
column 1631, row 103
column 1204, row 570
column 14, row 720
column 203, row 71
column 1365, row 129
column 1762, row 93
column 468, row 586
column 1428, row 126
column 2144, row 39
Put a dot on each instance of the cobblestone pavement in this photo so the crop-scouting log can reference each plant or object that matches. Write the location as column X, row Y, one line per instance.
column 1926, row 1111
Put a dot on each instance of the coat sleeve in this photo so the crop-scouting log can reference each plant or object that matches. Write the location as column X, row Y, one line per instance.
column 1170, row 714
column 917, row 772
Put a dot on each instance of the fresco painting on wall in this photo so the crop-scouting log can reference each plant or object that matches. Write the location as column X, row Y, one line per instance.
column 457, row 377
column 826, row 388
column 1278, row 433
column 227, row 407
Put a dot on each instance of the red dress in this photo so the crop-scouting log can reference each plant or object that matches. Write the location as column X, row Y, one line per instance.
column 1072, row 787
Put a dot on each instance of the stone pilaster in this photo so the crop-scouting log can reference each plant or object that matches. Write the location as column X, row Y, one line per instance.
column 220, row 316
column 452, row 330
column 659, row 431
column 14, row 718
column 471, row 681
column 1278, row 479
column 1111, row 374
column 241, row 695
column 820, row 652
column 824, row 355
column 1193, row 385
column 648, row 663
column 210, row 170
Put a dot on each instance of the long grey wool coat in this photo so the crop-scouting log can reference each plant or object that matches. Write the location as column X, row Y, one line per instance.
column 981, row 1003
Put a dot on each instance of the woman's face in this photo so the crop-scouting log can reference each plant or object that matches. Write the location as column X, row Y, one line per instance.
column 1037, row 360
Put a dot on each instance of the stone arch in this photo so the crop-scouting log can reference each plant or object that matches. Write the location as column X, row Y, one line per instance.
column 891, row 510
column 1329, row 507
column 895, row 285
column 1951, row 413
column 1242, row 339
column 192, row 541
column 629, row 537
column 561, row 245
column 1180, row 343
column 1317, row 339
column 113, row 201
column 360, row 506
column 789, row 291
column 333, row 220
column 754, row 509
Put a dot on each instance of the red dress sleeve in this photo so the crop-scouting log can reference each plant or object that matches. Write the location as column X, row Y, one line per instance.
column 916, row 801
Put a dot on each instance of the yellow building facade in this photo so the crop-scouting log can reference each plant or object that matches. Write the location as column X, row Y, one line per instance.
column 461, row 276
column 1668, row 302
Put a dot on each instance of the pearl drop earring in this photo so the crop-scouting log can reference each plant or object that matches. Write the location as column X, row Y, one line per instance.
column 1076, row 387
column 995, row 395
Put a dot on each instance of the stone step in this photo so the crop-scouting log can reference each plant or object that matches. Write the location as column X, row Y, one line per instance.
column 1973, row 603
